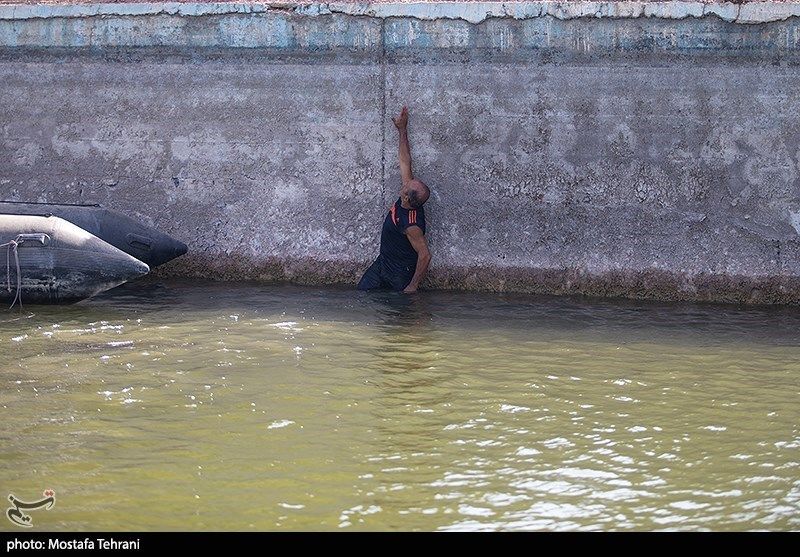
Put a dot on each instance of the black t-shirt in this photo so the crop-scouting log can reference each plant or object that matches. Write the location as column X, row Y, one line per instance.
column 396, row 251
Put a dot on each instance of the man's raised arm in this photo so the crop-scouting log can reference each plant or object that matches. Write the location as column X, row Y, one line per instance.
column 401, row 123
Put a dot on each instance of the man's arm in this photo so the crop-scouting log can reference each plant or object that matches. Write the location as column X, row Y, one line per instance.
column 418, row 242
column 401, row 123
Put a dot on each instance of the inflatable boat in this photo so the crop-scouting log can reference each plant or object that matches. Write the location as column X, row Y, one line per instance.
column 50, row 260
column 142, row 242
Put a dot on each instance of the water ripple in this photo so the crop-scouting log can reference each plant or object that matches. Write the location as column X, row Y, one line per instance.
column 302, row 408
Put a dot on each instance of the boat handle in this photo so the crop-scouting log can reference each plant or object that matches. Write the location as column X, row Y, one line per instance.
column 40, row 237
column 139, row 242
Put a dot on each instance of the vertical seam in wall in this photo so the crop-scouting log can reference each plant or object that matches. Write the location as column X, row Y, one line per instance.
column 383, row 111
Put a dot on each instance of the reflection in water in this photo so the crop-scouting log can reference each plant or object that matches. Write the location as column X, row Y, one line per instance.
column 405, row 332
column 256, row 407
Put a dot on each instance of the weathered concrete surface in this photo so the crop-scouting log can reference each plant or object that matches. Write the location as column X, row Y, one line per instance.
column 601, row 149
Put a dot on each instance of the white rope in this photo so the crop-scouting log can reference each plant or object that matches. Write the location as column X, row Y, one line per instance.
column 12, row 248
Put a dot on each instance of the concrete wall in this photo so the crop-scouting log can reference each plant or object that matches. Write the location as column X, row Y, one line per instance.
column 628, row 149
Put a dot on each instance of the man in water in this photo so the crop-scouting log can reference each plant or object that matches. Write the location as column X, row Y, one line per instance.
column 404, row 255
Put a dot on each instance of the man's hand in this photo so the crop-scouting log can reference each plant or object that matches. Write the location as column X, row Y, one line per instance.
column 410, row 289
column 401, row 122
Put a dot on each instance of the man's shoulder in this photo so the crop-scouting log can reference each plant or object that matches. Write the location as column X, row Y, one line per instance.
column 415, row 216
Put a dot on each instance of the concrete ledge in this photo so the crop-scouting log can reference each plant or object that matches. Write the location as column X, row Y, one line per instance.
column 649, row 284
column 473, row 12
column 468, row 29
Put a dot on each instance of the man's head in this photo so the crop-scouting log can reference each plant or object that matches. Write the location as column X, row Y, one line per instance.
column 415, row 193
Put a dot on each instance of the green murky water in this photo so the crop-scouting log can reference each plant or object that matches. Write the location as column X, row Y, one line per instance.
column 236, row 407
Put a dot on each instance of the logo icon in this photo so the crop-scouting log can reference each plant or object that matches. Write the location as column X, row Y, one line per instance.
column 16, row 513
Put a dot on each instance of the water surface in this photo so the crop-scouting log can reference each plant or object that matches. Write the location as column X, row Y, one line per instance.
column 234, row 407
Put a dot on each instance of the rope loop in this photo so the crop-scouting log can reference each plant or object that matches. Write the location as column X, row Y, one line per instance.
column 11, row 247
